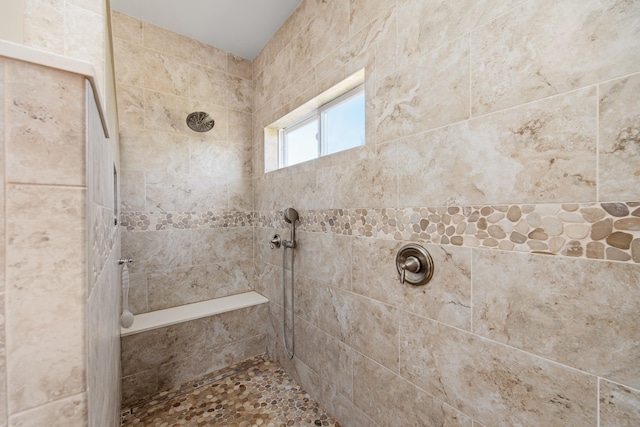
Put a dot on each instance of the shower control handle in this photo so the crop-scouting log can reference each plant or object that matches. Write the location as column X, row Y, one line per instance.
column 275, row 241
column 412, row 264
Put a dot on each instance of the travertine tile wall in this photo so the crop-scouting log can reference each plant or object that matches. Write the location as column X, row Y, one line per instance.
column 104, row 275
column 180, row 186
column 54, row 314
column 56, row 309
column 73, row 28
column 503, row 136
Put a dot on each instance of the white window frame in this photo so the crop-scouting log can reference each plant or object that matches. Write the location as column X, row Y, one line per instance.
column 318, row 115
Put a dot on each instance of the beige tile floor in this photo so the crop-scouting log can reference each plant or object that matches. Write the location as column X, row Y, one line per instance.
column 256, row 392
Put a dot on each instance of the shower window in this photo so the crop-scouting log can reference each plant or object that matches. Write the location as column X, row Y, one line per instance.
column 337, row 125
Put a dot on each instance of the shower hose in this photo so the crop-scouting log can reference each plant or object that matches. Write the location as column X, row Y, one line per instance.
column 284, row 305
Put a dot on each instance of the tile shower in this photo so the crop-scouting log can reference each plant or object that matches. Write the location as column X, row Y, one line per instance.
column 502, row 136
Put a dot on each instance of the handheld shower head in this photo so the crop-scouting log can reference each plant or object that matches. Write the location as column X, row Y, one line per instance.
column 290, row 215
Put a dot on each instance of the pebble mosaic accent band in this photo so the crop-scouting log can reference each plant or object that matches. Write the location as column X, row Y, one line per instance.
column 104, row 237
column 608, row 231
column 148, row 221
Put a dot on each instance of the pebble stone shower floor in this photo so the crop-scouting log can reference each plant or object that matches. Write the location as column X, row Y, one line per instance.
column 256, row 392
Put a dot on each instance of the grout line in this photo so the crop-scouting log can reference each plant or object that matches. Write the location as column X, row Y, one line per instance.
column 598, row 401
column 470, row 80
column 5, row 246
column 501, row 344
column 472, row 252
column 598, row 143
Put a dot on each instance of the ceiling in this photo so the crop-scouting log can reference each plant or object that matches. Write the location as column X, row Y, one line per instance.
column 241, row 27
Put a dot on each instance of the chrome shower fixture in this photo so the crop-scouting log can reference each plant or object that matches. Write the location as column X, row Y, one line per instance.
column 200, row 121
column 291, row 216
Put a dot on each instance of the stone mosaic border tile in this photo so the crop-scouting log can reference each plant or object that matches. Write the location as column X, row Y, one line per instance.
column 607, row 231
column 104, row 237
column 156, row 221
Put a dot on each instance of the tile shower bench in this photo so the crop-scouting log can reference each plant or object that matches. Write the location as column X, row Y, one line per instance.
column 165, row 348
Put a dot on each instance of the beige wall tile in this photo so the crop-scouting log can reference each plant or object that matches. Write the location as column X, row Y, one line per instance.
column 132, row 191
column 148, row 151
column 291, row 190
column 268, row 281
column 619, row 156
column 151, row 349
column 541, row 152
column 342, row 408
column 227, row 161
column 46, row 274
column 580, row 313
column 220, row 88
column 95, row 6
column 155, row 250
column 45, row 143
column 166, row 113
column 539, row 50
column 368, row 326
column 85, row 37
column 127, row 28
column 127, row 62
column 619, row 405
column 170, row 288
column 317, row 39
column 308, row 294
column 138, row 385
column 446, row 298
column 326, row 355
column 44, row 25
column 3, row 374
column 490, row 382
column 61, row 413
column 133, row 62
column 235, row 325
column 130, row 106
column 3, row 362
column 240, row 127
column 203, row 362
column 324, row 257
column 392, row 400
column 169, row 192
column 240, row 195
column 199, row 364
column 427, row 25
column 239, row 66
column 430, row 93
column 170, row 74
column 211, row 246
column 162, row 40
column 138, row 293
column 103, row 345
column 362, row 12
column 371, row 183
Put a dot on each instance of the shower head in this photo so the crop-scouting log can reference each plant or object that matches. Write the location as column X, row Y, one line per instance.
column 290, row 215
column 200, row 121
